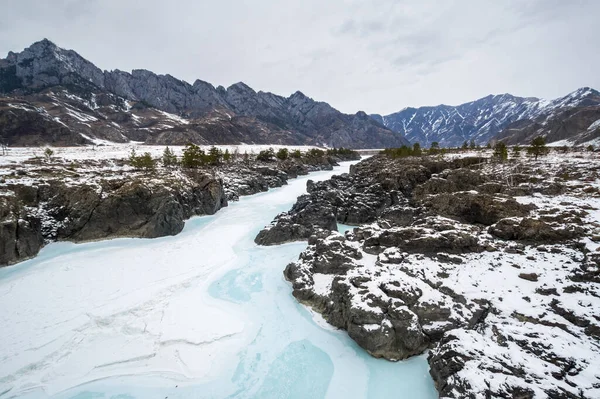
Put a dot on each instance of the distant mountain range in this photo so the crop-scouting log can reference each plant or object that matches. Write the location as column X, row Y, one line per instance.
column 574, row 117
column 49, row 95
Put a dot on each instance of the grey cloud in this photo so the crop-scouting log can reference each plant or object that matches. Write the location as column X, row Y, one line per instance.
column 377, row 56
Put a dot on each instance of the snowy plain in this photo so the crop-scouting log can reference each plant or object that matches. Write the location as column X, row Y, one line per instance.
column 204, row 314
column 121, row 151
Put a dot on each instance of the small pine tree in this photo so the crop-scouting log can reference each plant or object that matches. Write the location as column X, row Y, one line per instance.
column 48, row 153
column 500, row 151
column 434, row 148
column 417, row 149
column 590, row 148
column 226, row 156
column 282, row 154
column 465, row 146
column 193, row 156
column 132, row 156
column 169, row 158
column 144, row 161
column 537, row 147
column 516, row 151
column 214, row 156
column 296, row 154
column 472, row 145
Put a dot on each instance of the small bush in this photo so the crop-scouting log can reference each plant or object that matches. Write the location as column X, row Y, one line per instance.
column 144, row 161
column 282, row 154
column 434, row 148
column 266, row 155
column 315, row 153
column 516, row 151
column 214, row 156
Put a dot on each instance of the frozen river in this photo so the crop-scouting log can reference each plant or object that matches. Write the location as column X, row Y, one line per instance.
column 204, row 314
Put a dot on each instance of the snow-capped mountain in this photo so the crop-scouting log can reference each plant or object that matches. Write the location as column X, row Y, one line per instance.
column 482, row 120
column 44, row 86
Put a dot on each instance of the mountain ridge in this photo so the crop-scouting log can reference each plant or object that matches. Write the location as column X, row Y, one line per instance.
column 485, row 119
column 297, row 119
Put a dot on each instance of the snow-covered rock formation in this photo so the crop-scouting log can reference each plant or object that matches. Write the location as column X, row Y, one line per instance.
column 492, row 267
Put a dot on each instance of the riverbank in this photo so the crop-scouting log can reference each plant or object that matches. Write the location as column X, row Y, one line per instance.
column 491, row 266
column 72, row 195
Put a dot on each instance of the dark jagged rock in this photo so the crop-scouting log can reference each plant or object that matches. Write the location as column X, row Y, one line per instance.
column 127, row 208
column 500, row 290
column 472, row 207
column 375, row 188
column 534, row 230
column 58, row 203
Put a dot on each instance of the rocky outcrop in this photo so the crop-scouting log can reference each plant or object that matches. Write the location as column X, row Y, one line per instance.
column 56, row 199
column 335, row 278
column 20, row 234
column 137, row 207
column 535, row 230
column 498, row 288
column 374, row 188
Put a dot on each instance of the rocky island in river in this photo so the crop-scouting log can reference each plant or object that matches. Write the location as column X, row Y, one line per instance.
column 492, row 267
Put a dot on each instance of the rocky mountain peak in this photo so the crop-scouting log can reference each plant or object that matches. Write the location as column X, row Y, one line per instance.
column 480, row 120
column 298, row 95
column 299, row 99
column 45, row 44
column 241, row 87
column 45, row 65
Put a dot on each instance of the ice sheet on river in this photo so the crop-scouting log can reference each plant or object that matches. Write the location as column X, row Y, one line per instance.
column 203, row 314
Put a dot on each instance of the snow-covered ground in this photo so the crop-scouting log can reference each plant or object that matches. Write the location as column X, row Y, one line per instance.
column 121, row 151
column 205, row 313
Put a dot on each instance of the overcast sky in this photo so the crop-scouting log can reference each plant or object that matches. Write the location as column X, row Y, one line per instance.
column 378, row 56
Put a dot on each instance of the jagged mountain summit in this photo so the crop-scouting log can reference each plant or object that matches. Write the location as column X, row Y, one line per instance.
column 499, row 116
column 49, row 95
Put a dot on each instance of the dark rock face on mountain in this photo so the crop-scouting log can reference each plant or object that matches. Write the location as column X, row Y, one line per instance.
column 578, row 125
column 500, row 115
column 58, row 83
column 483, row 264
